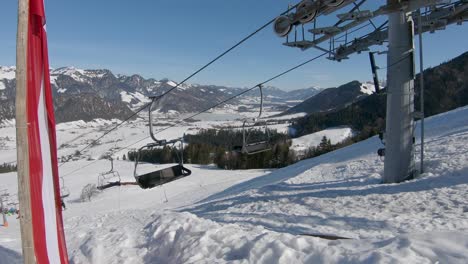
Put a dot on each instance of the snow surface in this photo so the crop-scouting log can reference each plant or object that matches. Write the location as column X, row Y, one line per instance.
column 70, row 71
column 289, row 117
column 126, row 97
column 139, row 97
column 171, row 83
column 2, row 85
column 7, row 72
column 368, row 88
column 257, row 216
column 93, row 74
column 336, row 135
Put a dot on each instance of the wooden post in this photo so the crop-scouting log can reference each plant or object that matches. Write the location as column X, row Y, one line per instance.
column 22, row 134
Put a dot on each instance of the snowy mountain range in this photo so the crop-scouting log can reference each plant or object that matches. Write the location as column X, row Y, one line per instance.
column 88, row 94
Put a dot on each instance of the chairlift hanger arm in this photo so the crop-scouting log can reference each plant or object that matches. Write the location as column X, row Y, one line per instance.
column 150, row 111
column 157, row 142
column 260, row 87
column 255, row 147
column 343, row 29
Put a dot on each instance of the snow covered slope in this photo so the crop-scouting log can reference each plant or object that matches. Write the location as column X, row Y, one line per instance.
column 336, row 135
column 260, row 216
column 7, row 72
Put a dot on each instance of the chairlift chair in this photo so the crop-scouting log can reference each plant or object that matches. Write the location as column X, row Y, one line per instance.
column 64, row 191
column 109, row 178
column 159, row 176
column 253, row 147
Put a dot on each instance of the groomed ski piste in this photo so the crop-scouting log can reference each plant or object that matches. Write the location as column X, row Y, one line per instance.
column 271, row 216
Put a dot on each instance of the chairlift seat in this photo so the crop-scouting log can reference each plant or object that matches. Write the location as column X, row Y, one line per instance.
column 253, row 148
column 108, row 185
column 256, row 147
column 159, row 177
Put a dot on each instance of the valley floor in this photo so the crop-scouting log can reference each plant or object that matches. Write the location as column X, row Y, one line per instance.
column 259, row 216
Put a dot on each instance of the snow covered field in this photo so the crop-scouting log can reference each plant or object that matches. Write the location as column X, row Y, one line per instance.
column 261, row 216
column 335, row 135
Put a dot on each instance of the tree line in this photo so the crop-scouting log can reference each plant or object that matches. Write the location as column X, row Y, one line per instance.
column 211, row 146
column 7, row 168
column 217, row 147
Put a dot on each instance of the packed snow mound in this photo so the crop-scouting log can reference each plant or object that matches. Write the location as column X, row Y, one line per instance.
column 227, row 243
column 185, row 238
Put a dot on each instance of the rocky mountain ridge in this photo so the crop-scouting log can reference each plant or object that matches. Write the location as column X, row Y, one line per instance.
column 116, row 96
column 333, row 99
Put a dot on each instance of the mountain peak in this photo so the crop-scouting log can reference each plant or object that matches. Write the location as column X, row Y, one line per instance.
column 69, row 70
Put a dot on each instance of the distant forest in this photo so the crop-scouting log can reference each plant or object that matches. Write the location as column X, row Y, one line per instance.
column 213, row 146
column 218, row 147
column 7, row 168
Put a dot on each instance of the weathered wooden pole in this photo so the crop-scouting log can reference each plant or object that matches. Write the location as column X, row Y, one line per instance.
column 22, row 147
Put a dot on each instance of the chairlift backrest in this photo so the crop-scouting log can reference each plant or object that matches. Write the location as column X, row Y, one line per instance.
column 154, row 101
column 108, row 178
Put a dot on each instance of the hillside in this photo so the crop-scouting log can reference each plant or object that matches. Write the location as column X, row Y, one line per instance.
column 217, row 216
column 333, row 99
column 446, row 88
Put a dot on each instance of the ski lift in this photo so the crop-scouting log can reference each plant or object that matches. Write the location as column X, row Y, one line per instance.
column 64, row 191
column 108, row 179
column 160, row 176
column 250, row 147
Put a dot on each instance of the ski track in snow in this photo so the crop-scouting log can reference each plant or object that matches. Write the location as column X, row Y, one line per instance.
column 259, row 216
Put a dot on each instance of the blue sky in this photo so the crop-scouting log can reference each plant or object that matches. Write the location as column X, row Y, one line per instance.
column 174, row 38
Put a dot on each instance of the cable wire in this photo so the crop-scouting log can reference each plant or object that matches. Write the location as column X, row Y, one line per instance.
column 227, row 51
column 186, row 79
column 211, row 107
column 243, row 92
column 398, row 61
column 87, row 165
